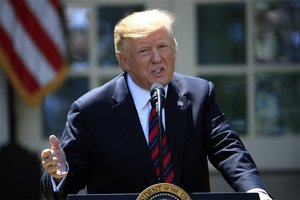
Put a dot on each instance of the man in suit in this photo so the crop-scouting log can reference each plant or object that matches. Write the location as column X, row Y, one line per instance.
column 104, row 147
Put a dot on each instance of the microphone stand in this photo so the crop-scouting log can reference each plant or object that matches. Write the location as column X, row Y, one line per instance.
column 159, row 107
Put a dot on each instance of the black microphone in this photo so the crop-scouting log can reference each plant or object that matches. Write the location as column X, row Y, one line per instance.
column 158, row 98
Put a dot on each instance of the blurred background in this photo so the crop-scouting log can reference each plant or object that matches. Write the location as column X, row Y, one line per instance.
column 250, row 50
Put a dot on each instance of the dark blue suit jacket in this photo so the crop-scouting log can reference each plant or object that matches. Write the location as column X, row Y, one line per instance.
column 107, row 152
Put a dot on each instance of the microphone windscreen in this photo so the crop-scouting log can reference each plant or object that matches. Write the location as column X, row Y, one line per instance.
column 156, row 86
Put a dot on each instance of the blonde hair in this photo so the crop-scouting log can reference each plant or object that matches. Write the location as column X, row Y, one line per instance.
column 141, row 24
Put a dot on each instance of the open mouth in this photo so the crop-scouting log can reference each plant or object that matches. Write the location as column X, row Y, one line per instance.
column 157, row 70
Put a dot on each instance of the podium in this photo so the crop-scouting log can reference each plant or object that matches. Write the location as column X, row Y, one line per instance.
column 194, row 196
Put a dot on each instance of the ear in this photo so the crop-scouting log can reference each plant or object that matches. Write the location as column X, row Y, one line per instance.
column 123, row 61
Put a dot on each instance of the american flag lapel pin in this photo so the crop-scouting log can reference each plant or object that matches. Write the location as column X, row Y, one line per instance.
column 180, row 103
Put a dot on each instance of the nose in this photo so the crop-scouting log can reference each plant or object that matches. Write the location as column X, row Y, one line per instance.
column 156, row 57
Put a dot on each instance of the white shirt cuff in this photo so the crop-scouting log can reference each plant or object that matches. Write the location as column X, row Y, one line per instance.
column 55, row 187
column 257, row 190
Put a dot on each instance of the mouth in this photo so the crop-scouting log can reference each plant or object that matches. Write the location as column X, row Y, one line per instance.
column 157, row 70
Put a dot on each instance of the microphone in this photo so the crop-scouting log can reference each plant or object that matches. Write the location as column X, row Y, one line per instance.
column 158, row 98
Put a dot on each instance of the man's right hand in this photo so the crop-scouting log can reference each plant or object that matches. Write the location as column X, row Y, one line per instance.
column 54, row 159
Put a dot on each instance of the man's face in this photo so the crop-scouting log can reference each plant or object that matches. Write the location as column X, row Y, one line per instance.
column 150, row 59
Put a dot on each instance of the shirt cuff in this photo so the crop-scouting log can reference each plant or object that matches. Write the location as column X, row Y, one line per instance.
column 257, row 190
column 56, row 187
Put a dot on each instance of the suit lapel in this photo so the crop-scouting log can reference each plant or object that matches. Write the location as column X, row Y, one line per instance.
column 176, row 112
column 133, row 132
column 176, row 108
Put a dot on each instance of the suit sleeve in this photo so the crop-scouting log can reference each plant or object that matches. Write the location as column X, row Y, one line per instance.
column 226, row 151
column 76, row 148
column 47, row 188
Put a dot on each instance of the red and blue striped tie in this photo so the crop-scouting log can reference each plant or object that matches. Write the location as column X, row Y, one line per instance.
column 168, row 172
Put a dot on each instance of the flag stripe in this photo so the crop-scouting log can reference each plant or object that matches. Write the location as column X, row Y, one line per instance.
column 47, row 14
column 55, row 4
column 37, row 33
column 32, row 47
column 25, row 48
column 17, row 66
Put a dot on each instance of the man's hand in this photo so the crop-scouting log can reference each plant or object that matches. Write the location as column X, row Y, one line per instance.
column 263, row 196
column 54, row 159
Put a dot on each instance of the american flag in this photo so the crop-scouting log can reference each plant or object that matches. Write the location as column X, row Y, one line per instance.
column 32, row 46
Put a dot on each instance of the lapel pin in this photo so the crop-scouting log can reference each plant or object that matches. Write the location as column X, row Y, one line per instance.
column 180, row 103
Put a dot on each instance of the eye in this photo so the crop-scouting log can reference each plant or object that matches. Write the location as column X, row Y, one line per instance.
column 143, row 51
column 163, row 46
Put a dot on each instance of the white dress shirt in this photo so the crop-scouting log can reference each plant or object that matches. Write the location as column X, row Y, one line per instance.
column 141, row 98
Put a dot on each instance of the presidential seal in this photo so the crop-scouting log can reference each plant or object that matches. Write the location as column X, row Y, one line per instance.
column 163, row 191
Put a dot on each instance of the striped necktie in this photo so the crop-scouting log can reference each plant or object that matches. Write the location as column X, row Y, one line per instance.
column 168, row 172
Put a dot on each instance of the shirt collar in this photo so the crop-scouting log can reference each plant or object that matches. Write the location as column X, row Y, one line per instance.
column 140, row 96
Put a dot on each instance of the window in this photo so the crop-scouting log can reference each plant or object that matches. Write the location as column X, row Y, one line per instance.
column 231, row 96
column 277, row 103
column 221, row 33
column 277, row 31
column 256, row 75
column 276, row 52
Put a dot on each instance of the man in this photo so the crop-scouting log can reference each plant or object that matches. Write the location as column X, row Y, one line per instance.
column 105, row 143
